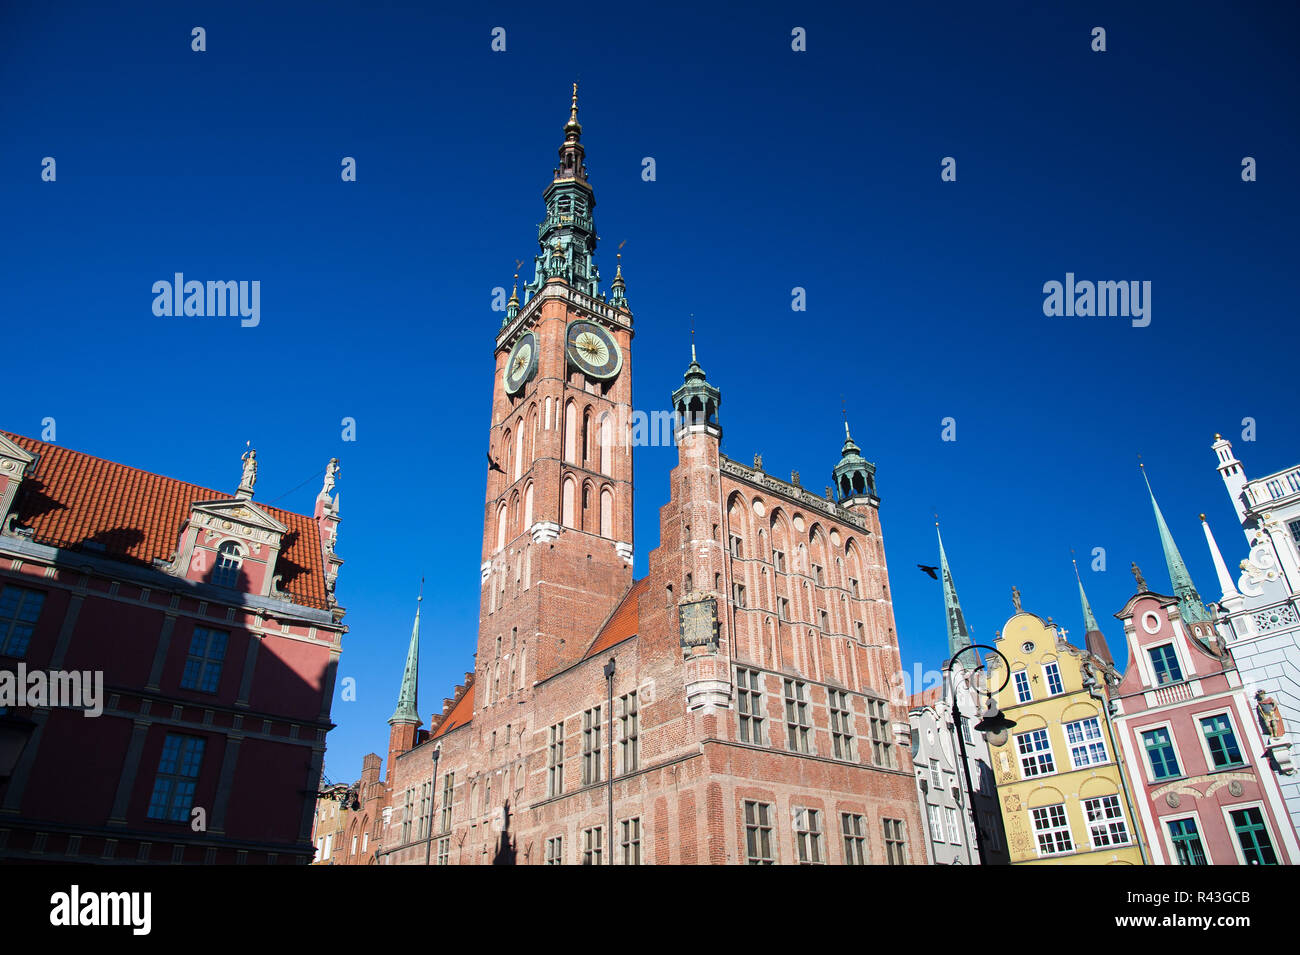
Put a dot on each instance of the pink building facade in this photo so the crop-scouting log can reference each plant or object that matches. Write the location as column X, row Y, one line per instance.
column 1204, row 790
column 209, row 624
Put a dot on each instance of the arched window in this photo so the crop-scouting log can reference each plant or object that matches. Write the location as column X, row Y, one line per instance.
column 508, row 449
column 586, row 437
column 606, row 432
column 570, row 492
column 501, row 526
column 528, row 507
column 607, row 513
column 519, row 449
column 546, row 418
column 570, row 432
column 226, row 573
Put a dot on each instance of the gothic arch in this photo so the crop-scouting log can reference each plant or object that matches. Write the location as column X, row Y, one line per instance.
column 605, row 435
column 568, row 503
column 570, row 432
column 501, row 526
column 607, row 512
column 528, row 506
column 519, row 449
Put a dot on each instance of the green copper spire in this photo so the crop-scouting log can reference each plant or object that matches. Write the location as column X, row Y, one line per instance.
column 406, row 711
column 1093, row 638
column 1190, row 604
column 567, row 238
column 958, row 636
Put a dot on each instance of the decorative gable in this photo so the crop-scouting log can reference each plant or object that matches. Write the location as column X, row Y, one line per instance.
column 233, row 544
column 15, row 463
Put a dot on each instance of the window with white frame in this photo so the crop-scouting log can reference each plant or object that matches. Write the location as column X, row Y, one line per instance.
column 954, row 826
column 555, row 850
column 1052, row 672
column 1035, row 753
column 808, row 835
column 226, row 571
column 853, row 828
column 592, row 848
column 749, row 705
column 630, row 840
column 882, row 749
column 936, row 823
column 1052, row 829
column 555, row 761
column 1164, row 664
column 591, row 746
column 1087, row 747
column 1106, row 823
column 758, row 833
column 1023, row 693
column 798, row 726
column 895, row 841
column 842, row 736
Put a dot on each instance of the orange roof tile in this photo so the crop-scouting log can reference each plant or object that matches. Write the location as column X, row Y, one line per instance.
column 72, row 498
column 622, row 623
column 925, row 698
column 460, row 714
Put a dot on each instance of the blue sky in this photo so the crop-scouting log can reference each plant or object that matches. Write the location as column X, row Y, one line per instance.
column 775, row 169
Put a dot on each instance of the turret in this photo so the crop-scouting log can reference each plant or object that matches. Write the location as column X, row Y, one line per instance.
column 854, row 477
column 696, row 402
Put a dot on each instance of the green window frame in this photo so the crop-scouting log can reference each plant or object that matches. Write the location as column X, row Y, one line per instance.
column 1252, row 836
column 1187, row 842
column 1160, row 751
column 1222, row 741
column 1165, row 664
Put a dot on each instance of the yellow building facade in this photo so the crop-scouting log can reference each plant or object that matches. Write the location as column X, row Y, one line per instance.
column 1061, row 785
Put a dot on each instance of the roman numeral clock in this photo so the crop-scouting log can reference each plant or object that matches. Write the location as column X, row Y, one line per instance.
column 592, row 350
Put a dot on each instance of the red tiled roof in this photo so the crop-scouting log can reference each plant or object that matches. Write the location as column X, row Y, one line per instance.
column 622, row 623
column 72, row 498
column 925, row 698
column 460, row 714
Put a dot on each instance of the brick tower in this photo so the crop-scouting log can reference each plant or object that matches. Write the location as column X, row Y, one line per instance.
column 557, row 540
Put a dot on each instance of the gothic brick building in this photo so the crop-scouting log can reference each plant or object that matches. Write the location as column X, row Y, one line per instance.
column 209, row 622
column 729, row 707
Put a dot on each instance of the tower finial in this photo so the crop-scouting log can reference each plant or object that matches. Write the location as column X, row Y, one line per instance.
column 692, row 336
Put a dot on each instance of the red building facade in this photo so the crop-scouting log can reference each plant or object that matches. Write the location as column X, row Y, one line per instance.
column 211, row 625
column 732, row 706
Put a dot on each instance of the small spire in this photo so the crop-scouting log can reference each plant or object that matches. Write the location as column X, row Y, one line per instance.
column 1094, row 640
column 1189, row 601
column 407, row 710
column 958, row 634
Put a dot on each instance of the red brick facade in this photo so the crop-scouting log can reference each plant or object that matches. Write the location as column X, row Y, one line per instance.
column 802, row 606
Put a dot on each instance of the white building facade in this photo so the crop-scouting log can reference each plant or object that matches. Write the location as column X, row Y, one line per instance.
column 1259, row 611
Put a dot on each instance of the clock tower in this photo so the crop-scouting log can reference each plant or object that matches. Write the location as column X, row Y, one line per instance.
column 557, row 539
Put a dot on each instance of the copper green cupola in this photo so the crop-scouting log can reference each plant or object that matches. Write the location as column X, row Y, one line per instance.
column 854, row 476
column 696, row 402
column 567, row 237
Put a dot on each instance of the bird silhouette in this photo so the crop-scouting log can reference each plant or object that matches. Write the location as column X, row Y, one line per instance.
column 492, row 465
column 930, row 571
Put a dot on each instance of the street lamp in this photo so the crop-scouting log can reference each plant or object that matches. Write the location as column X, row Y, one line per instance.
column 433, row 796
column 993, row 725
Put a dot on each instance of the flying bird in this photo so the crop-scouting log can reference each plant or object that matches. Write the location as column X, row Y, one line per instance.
column 492, row 465
column 930, row 571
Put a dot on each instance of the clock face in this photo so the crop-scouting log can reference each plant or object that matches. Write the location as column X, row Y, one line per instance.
column 521, row 364
column 593, row 350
